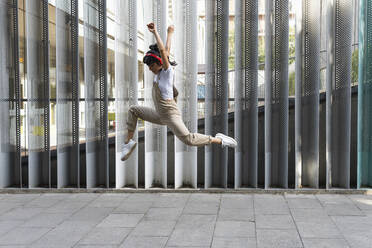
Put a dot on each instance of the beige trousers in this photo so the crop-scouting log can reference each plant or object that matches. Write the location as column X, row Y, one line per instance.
column 166, row 113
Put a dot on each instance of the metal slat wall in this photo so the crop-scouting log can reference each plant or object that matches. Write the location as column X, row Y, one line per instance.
column 365, row 95
column 155, row 135
column 96, row 122
column 276, row 94
column 339, row 29
column 67, row 67
column 216, row 95
column 246, row 81
column 37, row 103
column 37, row 39
column 307, row 93
column 10, row 137
column 185, row 51
column 126, row 84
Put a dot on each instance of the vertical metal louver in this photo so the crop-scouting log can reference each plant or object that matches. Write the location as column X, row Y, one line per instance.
column 155, row 135
column 216, row 95
column 365, row 95
column 10, row 133
column 307, row 93
column 185, row 51
column 339, row 29
column 67, row 67
column 276, row 94
column 96, row 122
column 126, row 84
column 246, row 81
column 38, row 99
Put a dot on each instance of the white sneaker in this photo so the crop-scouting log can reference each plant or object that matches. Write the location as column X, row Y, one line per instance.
column 226, row 140
column 128, row 149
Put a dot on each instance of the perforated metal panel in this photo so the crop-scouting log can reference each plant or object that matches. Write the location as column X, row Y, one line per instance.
column 276, row 94
column 67, row 57
column 185, row 51
column 307, row 93
column 9, row 96
column 365, row 95
column 339, row 26
column 37, row 39
column 216, row 95
column 95, row 53
column 246, row 72
column 155, row 135
column 126, row 81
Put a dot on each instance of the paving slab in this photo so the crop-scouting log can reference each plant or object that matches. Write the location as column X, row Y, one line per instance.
column 237, row 201
column 7, row 206
column 46, row 220
column 163, row 213
column 325, row 243
column 304, row 203
column 275, row 221
column 144, row 242
column 270, row 204
column 67, row 234
column 66, row 207
column 133, row 207
column 21, row 213
column 154, row 228
column 105, row 236
column 237, row 214
column 203, row 207
column 363, row 202
column 7, row 225
column 121, row 220
column 357, row 230
column 226, row 242
column 171, row 201
column 22, row 236
column 91, row 214
column 235, row 229
column 193, row 230
column 278, row 238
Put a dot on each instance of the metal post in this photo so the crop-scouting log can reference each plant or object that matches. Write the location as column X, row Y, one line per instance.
column 365, row 96
column 67, row 67
column 37, row 39
column 10, row 147
column 155, row 135
column 126, row 84
column 96, row 122
column 216, row 95
column 307, row 93
column 276, row 94
column 246, row 82
column 185, row 51
column 339, row 29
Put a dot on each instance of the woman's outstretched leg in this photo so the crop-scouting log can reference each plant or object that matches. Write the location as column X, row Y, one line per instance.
column 178, row 127
column 135, row 112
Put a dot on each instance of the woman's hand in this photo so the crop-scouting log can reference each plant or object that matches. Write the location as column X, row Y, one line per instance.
column 151, row 27
column 171, row 29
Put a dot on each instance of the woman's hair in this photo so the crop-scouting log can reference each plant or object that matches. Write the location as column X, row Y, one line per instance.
column 153, row 56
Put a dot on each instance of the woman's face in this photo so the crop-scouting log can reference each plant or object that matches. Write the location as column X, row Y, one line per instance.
column 155, row 68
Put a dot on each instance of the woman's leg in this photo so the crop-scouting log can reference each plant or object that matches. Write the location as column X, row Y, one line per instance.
column 175, row 123
column 144, row 113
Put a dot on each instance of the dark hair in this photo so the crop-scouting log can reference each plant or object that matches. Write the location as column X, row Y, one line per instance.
column 153, row 56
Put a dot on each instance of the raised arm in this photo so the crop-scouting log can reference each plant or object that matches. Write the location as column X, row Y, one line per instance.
column 169, row 38
column 163, row 51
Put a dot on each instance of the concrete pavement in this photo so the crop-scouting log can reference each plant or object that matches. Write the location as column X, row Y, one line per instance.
column 185, row 220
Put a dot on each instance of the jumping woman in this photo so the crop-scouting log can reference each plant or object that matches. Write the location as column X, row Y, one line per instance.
column 164, row 95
